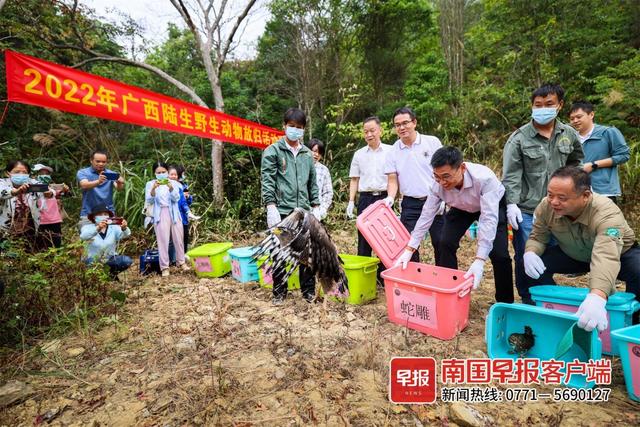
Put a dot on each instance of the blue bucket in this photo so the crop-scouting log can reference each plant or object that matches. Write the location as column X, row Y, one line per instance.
column 243, row 267
column 620, row 308
column 628, row 342
column 549, row 327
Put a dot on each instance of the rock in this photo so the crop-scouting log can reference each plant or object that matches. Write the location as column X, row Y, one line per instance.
column 350, row 317
column 466, row 416
column 13, row 392
column 75, row 352
column 51, row 346
column 186, row 344
column 280, row 374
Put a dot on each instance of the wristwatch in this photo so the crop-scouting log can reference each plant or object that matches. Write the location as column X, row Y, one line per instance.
column 594, row 166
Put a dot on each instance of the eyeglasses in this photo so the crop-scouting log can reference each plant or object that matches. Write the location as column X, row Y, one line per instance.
column 403, row 124
column 446, row 177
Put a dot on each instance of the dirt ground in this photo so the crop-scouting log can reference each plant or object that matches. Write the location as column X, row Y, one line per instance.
column 188, row 351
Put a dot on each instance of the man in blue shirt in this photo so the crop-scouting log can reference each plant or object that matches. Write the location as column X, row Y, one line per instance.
column 97, row 184
column 604, row 149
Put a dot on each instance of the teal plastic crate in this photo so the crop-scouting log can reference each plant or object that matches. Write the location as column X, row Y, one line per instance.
column 549, row 327
column 628, row 342
column 620, row 308
column 243, row 267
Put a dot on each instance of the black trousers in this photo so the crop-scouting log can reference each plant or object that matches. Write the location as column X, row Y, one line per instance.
column 557, row 261
column 307, row 280
column 456, row 223
column 49, row 235
column 411, row 210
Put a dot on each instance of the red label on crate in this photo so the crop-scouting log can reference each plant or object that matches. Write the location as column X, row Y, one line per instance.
column 412, row 380
column 266, row 275
column 203, row 265
column 634, row 366
column 416, row 307
column 235, row 268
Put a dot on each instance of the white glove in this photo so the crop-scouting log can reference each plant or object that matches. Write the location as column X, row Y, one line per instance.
column 273, row 216
column 404, row 259
column 350, row 207
column 592, row 313
column 389, row 201
column 514, row 216
column 533, row 265
column 193, row 217
column 477, row 270
column 441, row 208
column 316, row 212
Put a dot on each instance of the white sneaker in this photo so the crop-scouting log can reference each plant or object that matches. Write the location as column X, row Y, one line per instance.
column 185, row 267
column 165, row 272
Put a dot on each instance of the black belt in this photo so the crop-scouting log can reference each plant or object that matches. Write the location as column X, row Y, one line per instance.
column 375, row 193
column 420, row 199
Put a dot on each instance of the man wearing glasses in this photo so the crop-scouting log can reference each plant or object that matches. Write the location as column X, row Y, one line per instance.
column 409, row 169
column 473, row 192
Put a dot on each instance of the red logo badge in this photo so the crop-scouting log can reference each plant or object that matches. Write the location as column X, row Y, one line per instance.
column 412, row 380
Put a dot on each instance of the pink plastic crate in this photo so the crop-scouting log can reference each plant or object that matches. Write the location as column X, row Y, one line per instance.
column 383, row 231
column 429, row 299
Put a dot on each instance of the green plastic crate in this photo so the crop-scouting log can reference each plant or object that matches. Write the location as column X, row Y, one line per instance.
column 211, row 259
column 266, row 281
column 361, row 274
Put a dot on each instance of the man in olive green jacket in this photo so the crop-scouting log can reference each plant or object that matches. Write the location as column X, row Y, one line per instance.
column 530, row 156
column 289, row 182
column 592, row 236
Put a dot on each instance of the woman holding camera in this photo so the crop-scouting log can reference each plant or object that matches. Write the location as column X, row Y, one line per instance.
column 102, row 237
column 19, row 197
column 164, row 194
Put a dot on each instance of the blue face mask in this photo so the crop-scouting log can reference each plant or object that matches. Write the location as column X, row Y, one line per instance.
column 101, row 218
column 19, row 178
column 163, row 175
column 543, row 116
column 293, row 134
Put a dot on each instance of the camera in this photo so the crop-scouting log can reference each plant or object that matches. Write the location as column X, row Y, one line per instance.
column 38, row 188
column 115, row 220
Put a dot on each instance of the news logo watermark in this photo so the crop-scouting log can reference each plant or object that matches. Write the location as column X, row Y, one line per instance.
column 413, row 380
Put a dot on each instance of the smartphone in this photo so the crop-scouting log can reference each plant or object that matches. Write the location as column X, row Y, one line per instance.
column 111, row 176
column 38, row 188
column 163, row 181
column 115, row 220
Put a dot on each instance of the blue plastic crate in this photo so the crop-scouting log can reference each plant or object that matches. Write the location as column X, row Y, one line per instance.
column 628, row 342
column 620, row 308
column 549, row 327
column 243, row 268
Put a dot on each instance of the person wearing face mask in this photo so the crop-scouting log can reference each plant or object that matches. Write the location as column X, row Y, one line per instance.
column 323, row 177
column 531, row 155
column 50, row 229
column 164, row 194
column 102, row 239
column 288, row 180
column 19, row 211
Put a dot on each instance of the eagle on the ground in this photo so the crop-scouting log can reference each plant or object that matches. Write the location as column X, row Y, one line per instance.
column 301, row 239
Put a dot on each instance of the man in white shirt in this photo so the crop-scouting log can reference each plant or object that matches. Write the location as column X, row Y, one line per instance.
column 367, row 175
column 409, row 170
column 473, row 192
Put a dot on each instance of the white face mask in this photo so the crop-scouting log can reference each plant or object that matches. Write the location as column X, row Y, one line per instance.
column 101, row 218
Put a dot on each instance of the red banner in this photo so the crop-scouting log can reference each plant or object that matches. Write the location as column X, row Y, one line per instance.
column 45, row 84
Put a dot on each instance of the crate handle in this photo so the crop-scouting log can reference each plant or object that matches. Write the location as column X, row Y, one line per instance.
column 634, row 307
column 370, row 268
column 390, row 230
column 225, row 258
column 464, row 292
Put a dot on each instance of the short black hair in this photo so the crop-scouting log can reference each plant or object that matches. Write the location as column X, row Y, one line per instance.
column 159, row 164
column 178, row 168
column 13, row 163
column 372, row 119
column 98, row 151
column 295, row 115
column 315, row 141
column 548, row 89
column 581, row 179
column 446, row 155
column 585, row 106
column 404, row 110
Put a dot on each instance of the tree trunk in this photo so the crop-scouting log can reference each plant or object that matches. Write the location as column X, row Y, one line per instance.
column 217, row 148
